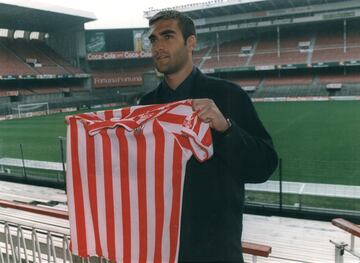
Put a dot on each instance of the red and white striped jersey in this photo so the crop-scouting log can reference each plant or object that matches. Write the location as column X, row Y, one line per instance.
column 125, row 174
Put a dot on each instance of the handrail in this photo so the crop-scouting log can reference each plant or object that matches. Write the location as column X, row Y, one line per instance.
column 347, row 226
column 256, row 249
column 340, row 248
column 35, row 209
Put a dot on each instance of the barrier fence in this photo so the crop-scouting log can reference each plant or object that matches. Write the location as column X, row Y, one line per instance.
column 278, row 192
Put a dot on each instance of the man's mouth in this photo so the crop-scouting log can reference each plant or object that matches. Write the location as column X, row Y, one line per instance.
column 162, row 57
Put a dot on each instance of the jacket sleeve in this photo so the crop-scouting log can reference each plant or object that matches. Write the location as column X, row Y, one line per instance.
column 246, row 147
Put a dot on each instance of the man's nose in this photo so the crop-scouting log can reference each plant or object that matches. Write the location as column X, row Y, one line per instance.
column 158, row 46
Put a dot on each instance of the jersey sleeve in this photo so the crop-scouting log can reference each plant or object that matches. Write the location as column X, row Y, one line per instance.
column 199, row 135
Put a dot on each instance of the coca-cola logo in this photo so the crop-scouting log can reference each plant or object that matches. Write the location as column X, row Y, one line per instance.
column 118, row 55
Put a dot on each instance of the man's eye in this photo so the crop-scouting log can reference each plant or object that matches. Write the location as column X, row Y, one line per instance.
column 152, row 40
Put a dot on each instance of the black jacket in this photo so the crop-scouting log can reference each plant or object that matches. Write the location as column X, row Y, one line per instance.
column 213, row 195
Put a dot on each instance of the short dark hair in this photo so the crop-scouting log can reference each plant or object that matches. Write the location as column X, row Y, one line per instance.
column 185, row 23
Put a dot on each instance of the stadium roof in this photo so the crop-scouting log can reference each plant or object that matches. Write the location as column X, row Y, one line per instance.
column 228, row 7
column 225, row 15
column 33, row 16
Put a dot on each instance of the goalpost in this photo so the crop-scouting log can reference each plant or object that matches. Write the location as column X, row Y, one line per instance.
column 32, row 109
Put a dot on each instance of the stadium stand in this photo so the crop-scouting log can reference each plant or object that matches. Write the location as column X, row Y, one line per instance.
column 39, row 62
column 246, row 81
column 56, row 58
column 10, row 64
column 36, row 57
column 200, row 55
column 228, row 55
column 38, row 66
column 271, row 53
column 262, row 49
column 338, row 78
column 288, row 80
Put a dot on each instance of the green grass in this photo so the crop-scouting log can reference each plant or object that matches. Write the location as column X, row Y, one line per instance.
column 318, row 141
column 38, row 136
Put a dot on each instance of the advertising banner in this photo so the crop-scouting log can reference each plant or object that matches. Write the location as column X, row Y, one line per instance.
column 141, row 40
column 105, row 80
column 95, row 42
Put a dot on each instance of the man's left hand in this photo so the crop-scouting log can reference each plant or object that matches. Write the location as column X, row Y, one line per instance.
column 210, row 113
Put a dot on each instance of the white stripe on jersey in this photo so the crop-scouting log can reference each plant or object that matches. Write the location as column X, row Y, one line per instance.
column 150, row 190
column 115, row 153
column 90, row 240
column 70, row 194
column 100, row 191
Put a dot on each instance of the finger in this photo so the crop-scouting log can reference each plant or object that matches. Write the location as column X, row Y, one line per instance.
column 207, row 120
column 205, row 112
column 199, row 103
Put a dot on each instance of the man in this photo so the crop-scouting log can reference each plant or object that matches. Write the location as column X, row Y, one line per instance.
column 213, row 194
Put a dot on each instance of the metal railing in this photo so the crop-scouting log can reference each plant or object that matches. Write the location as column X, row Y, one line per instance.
column 24, row 241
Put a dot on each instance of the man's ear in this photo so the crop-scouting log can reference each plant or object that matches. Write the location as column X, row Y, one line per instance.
column 191, row 42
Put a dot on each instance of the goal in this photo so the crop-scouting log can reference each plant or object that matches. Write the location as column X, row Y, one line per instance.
column 32, row 109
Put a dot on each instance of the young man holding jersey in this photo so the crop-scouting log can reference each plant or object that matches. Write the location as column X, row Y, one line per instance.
column 213, row 193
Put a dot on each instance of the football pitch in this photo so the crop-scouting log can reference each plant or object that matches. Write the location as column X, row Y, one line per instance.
column 318, row 141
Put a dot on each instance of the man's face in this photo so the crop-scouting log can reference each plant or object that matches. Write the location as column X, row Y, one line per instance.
column 170, row 53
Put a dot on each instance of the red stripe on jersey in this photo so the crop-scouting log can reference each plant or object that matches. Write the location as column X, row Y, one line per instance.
column 108, row 114
column 159, row 189
column 90, row 159
column 125, row 112
column 78, row 192
column 146, row 109
column 207, row 139
column 109, row 195
column 173, row 118
column 141, row 179
column 125, row 193
column 201, row 148
column 88, row 116
column 175, row 211
column 183, row 141
column 197, row 125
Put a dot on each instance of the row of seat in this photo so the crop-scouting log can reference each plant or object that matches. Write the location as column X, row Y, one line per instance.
column 322, row 47
column 22, row 91
column 300, row 79
column 21, row 57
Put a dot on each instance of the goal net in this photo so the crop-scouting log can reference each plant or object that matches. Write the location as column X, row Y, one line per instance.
column 32, row 109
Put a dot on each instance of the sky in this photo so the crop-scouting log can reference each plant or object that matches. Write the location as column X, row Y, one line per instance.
column 118, row 13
